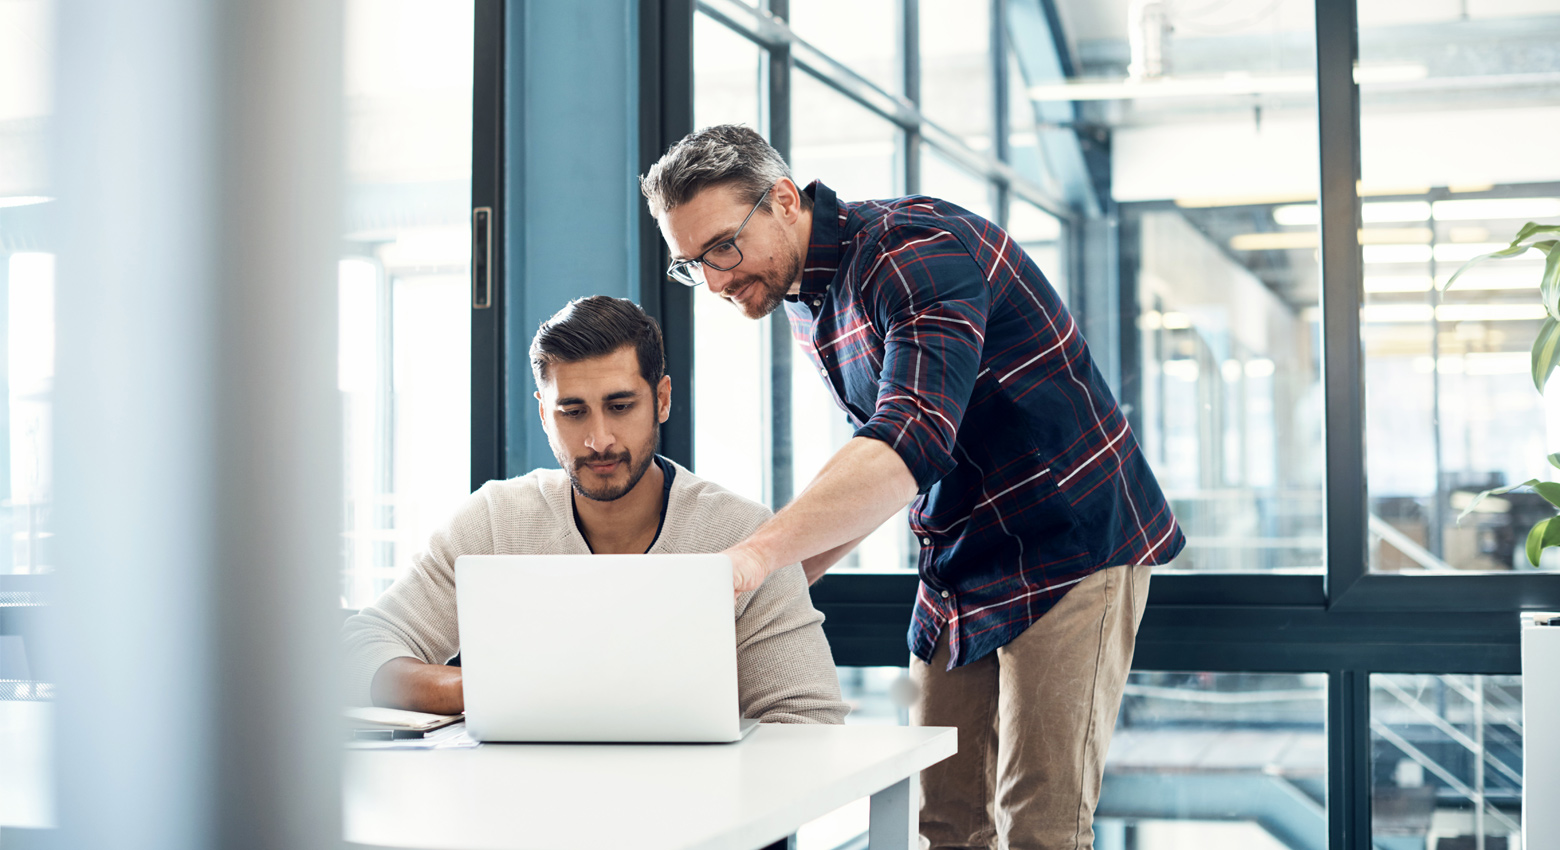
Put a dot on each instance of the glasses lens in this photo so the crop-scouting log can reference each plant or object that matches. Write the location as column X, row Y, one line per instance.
column 686, row 272
column 723, row 257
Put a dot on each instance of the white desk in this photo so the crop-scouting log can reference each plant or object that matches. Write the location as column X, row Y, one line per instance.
column 689, row 797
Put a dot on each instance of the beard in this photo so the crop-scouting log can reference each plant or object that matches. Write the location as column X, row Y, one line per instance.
column 769, row 288
column 609, row 492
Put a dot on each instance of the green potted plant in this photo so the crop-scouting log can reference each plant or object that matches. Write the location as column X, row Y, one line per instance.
column 1546, row 354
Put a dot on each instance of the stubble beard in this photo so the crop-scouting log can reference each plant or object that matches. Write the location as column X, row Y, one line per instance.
column 772, row 288
column 636, row 470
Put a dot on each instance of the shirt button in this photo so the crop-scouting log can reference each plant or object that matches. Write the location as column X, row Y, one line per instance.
column 945, row 594
column 824, row 372
column 817, row 302
column 926, row 541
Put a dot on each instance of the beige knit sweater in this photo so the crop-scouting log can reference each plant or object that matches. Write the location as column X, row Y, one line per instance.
column 785, row 672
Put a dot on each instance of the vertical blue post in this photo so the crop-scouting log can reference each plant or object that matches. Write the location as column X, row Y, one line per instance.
column 572, row 229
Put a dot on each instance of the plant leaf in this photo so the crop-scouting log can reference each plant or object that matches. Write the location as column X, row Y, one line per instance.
column 1554, row 460
column 1545, row 533
column 1532, row 229
column 1549, row 284
column 1546, row 352
column 1535, row 540
column 1550, row 490
column 1511, row 251
column 1495, row 492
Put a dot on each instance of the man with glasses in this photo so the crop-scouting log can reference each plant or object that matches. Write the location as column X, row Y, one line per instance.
column 972, row 393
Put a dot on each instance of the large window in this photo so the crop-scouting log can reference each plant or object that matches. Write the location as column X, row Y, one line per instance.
column 1448, row 175
column 404, row 284
column 26, row 286
column 1446, row 761
column 1268, row 309
column 847, row 114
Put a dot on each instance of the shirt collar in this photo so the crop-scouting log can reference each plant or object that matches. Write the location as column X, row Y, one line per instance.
column 824, row 246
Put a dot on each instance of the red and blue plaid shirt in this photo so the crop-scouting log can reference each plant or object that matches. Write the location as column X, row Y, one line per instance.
column 939, row 336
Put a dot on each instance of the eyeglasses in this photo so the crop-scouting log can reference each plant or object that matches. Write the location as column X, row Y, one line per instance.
column 722, row 257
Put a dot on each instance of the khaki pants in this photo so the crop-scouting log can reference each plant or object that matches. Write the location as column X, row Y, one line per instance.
column 1034, row 721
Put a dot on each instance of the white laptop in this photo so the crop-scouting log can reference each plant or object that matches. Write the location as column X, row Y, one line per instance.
column 598, row 648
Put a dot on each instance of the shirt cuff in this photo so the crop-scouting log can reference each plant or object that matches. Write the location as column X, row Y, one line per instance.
column 926, row 459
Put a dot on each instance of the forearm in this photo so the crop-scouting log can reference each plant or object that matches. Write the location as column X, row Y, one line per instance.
column 820, row 563
column 864, row 484
column 417, row 686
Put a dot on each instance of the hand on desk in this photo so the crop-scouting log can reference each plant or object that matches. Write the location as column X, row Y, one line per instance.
column 414, row 685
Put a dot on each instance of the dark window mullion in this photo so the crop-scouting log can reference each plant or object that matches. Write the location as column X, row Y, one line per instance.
column 488, row 354
column 1000, row 196
column 910, row 54
column 777, row 106
column 666, row 115
column 1338, row 120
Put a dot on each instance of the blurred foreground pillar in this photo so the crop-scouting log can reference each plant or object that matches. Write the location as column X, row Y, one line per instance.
column 196, row 429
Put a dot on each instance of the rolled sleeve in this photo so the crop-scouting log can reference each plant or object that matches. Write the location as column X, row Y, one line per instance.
column 928, row 294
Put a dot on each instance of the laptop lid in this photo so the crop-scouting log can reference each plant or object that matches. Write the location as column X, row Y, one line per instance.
column 620, row 648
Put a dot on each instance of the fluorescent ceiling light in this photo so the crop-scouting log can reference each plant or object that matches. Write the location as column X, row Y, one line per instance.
column 1385, row 313
column 1498, row 362
column 1231, row 370
column 1184, row 369
column 1478, row 363
column 1459, row 252
column 1489, row 312
column 1397, row 253
column 1259, row 367
column 1375, row 212
column 1295, row 239
column 24, row 200
column 1114, row 88
column 1396, row 236
column 1232, row 83
column 1383, row 212
column 1175, row 321
column 1277, row 241
column 1487, row 279
column 1486, row 208
column 1389, row 283
column 1210, row 201
column 1297, row 215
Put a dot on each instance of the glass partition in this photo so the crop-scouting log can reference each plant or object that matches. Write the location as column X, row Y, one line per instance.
column 26, row 285
column 1211, row 114
column 404, row 283
column 1446, row 761
column 730, row 407
column 856, row 153
column 864, row 35
column 957, row 86
column 1217, row 760
column 942, row 178
column 1457, row 108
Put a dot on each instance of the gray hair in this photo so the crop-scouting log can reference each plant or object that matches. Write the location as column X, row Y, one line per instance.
column 725, row 154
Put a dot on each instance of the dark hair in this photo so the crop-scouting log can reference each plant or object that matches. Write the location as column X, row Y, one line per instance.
column 595, row 326
column 715, row 156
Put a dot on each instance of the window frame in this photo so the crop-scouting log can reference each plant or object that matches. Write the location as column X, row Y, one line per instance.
column 1344, row 621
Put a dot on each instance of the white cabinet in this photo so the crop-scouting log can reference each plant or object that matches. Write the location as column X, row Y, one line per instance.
column 1541, row 731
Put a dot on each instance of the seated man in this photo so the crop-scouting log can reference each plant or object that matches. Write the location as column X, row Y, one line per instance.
column 602, row 392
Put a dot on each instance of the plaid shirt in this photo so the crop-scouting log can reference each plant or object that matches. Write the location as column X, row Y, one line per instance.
column 940, row 337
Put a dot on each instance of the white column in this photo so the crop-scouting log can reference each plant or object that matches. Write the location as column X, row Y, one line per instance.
column 197, row 423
